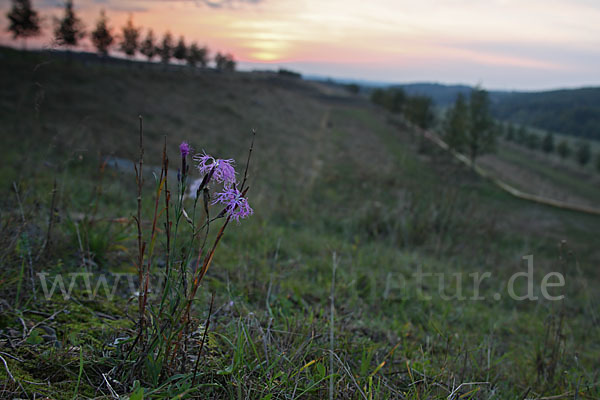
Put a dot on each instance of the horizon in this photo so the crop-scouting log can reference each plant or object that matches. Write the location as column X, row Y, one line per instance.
column 501, row 45
column 273, row 68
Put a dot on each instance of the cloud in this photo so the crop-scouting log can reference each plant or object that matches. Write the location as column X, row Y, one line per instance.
column 125, row 6
column 210, row 3
column 45, row 4
column 114, row 5
column 227, row 3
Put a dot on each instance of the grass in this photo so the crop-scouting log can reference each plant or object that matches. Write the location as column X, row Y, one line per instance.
column 326, row 177
column 561, row 177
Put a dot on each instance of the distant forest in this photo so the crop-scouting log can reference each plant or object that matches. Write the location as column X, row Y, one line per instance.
column 571, row 111
column 443, row 95
column 574, row 112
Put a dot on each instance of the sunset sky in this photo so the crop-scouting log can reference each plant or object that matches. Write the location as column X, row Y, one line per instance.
column 502, row 44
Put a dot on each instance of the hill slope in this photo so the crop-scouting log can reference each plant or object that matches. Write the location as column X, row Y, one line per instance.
column 330, row 173
column 574, row 111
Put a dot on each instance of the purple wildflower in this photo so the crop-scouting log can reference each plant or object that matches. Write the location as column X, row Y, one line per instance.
column 224, row 171
column 236, row 205
column 184, row 148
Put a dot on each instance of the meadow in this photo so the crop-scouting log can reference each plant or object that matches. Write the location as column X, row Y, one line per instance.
column 352, row 279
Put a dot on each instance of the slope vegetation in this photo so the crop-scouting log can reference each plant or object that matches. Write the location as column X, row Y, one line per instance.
column 330, row 174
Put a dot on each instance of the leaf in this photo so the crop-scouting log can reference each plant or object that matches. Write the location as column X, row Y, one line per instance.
column 321, row 370
column 35, row 338
column 226, row 371
column 138, row 392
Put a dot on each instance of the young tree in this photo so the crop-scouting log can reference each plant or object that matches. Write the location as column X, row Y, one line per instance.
column 393, row 99
column 419, row 110
column 510, row 132
column 203, row 57
column 497, row 129
column 197, row 55
column 165, row 51
column 224, row 62
column 180, row 52
column 548, row 143
column 480, row 136
column 532, row 141
column 130, row 38
column 563, row 149
column 378, row 96
column 521, row 135
column 456, row 123
column 230, row 63
column 583, row 153
column 353, row 88
column 102, row 36
column 69, row 30
column 24, row 21
column 219, row 60
column 398, row 99
column 147, row 47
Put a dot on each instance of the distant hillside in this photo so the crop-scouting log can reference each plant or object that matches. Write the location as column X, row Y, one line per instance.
column 574, row 112
column 442, row 95
column 571, row 111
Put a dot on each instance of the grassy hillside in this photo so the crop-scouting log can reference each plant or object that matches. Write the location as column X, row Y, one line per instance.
column 333, row 180
column 535, row 172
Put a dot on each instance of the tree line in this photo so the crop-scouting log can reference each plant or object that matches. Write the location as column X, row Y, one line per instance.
column 25, row 22
column 580, row 152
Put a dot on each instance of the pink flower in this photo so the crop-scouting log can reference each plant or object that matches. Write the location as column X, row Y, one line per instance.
column 223, row 168
column 184, row 148
column 236, row 205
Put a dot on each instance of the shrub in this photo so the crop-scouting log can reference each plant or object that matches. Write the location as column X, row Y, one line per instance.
column 583, row 153
column 563, row 149
column 548, row 143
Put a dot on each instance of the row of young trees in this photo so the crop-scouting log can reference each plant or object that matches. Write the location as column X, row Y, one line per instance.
column 417, row 109
column 467, row 126
column 582, row 151
column 25, row 22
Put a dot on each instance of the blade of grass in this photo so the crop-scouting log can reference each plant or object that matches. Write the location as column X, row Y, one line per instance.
column 80, row 373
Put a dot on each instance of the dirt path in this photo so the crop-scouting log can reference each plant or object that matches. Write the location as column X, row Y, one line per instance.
column 530, row 181
column 317, row 162
column 508, row 187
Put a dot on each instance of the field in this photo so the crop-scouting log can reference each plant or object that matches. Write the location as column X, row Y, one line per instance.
column 337, row 186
